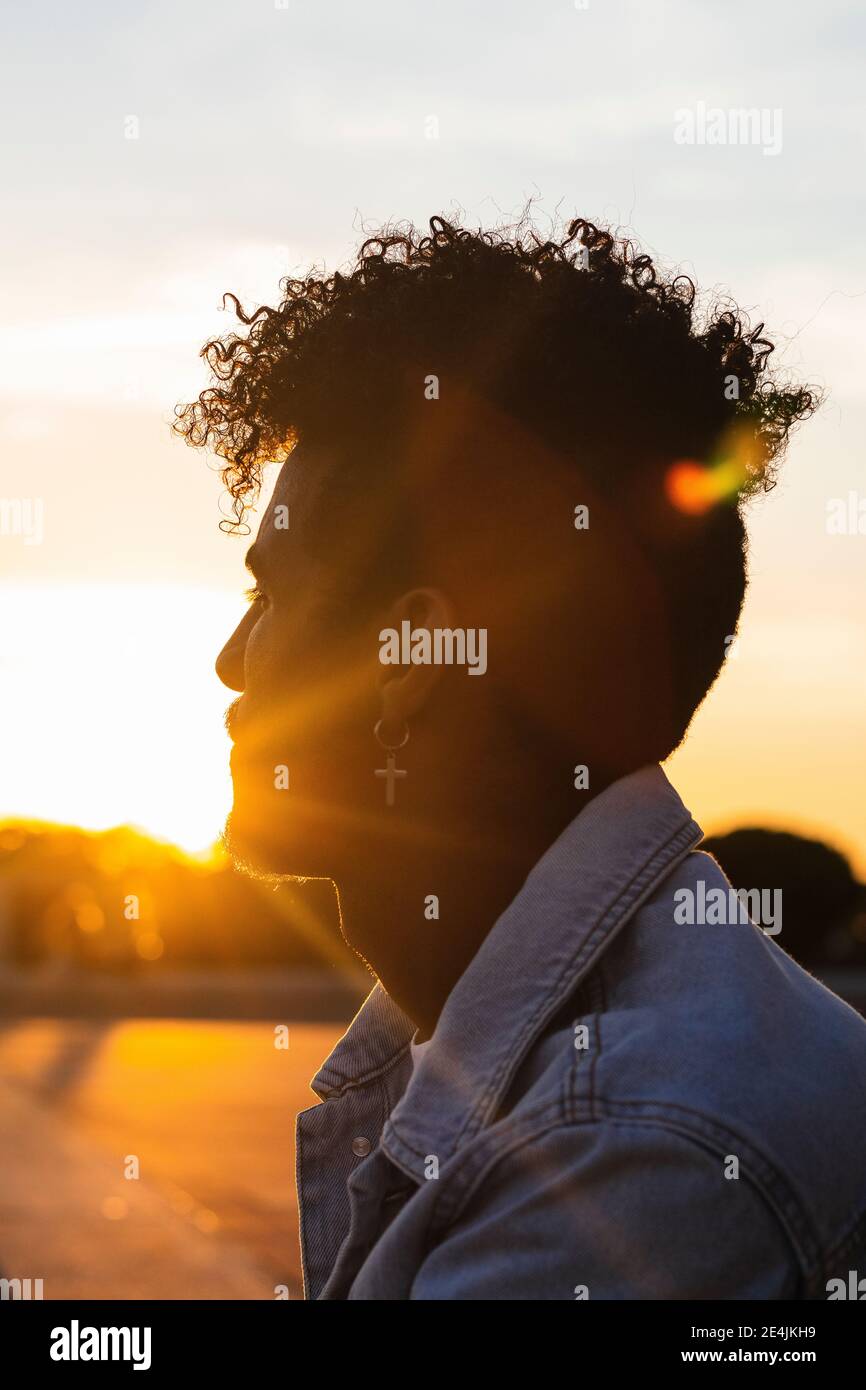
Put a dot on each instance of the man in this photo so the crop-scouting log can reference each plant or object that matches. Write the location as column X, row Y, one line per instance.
column 500, row 570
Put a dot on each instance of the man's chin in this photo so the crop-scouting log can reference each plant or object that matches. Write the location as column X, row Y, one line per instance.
column 263, row 849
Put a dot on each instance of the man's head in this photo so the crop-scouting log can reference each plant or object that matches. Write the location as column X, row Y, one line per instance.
column 480, row 432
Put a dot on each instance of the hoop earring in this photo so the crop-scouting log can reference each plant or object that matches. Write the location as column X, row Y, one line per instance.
column 383, row 743
column 390, row 772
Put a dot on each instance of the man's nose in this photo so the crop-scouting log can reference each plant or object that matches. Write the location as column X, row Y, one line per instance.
column 230, row 662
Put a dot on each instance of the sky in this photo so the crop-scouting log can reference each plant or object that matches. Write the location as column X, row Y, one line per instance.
column 159, row 154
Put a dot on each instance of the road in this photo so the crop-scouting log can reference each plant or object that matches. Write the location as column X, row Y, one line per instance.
column 206, row 1108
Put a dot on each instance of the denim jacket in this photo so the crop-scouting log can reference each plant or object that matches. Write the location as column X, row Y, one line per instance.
column 615, row 1104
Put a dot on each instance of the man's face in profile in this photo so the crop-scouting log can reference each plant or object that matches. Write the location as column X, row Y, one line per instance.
column 300, row 759
column 305, row 659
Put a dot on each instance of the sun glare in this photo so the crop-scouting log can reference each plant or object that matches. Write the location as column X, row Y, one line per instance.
column 112, row 711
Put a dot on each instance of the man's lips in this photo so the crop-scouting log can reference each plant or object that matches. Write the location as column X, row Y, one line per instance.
column 248, row 751
column 232, row 721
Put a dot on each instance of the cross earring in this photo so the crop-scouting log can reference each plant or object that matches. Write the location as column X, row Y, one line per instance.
column 391, row 772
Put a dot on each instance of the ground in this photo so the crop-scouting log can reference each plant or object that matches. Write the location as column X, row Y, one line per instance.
column 207, row 1109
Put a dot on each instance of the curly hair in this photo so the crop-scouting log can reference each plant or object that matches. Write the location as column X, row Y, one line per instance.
column 537, row 324
column 579, row 338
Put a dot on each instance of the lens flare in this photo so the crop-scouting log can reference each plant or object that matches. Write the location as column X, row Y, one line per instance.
column 693, row 487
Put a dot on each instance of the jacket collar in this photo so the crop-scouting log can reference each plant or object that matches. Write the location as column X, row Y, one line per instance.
column 574, row 901
column 375, row 1037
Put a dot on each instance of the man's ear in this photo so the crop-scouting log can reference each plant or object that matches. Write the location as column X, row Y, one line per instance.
column 405, row 689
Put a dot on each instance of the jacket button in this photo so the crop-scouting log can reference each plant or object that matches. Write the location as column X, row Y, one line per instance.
column 361, row 1146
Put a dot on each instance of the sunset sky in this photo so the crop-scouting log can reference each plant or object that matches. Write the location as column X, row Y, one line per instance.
column 262, row 148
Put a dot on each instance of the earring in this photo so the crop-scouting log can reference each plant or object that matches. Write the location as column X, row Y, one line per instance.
column 391, row 771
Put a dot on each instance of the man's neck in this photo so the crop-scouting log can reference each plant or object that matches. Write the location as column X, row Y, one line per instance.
column 420, row 923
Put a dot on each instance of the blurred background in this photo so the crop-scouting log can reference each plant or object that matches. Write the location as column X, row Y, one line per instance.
column 157, row 155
